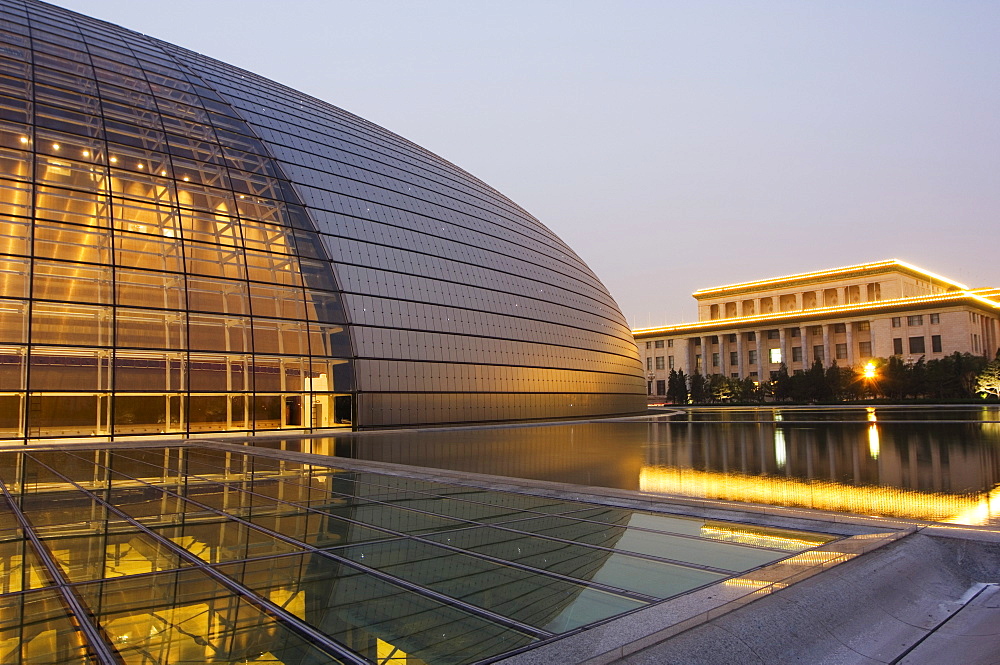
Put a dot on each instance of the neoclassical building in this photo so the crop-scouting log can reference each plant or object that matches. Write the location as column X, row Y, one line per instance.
column 846, row 315
column 187, row 248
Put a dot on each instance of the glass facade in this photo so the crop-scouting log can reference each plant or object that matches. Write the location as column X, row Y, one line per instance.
column 187, row 248
column 225, row 554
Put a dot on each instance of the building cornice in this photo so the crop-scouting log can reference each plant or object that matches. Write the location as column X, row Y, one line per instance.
column 977, row 298
column 805, row 279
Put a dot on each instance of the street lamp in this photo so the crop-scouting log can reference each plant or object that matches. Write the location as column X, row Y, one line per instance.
column 649, row 386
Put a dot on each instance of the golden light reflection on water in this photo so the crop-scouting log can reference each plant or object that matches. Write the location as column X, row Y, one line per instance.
column 822, row 495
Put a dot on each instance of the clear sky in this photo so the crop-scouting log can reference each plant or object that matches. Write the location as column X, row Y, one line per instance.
column 673, row 145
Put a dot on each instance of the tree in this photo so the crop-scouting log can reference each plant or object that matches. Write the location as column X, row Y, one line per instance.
column 697, row 393
column 988, row 379
column 782, row 384
column 680, row 392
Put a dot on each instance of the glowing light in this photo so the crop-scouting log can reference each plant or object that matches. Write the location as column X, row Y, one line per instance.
column 822, row 312
column 873, row 443
column 881, row 266
column 139, row 166
column 822, row 495
column 187, row 179
column 163, row 173
column 114, row 160
column 869, row 373
column 86, row 153
column 780, row 448
column 24, row 139
column 56, row 146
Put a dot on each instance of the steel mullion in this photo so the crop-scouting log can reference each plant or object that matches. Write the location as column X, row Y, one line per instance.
column 472, row 524
column 296, row 624
column 493, row 617
column 96, row 642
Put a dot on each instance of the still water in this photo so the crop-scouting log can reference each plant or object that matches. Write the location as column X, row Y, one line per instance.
column 936, row 463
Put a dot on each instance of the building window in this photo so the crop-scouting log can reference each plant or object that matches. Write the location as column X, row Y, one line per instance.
column 775, row 355
column 916, row 345
column 697, row 341
column 734, row 375
column 865, row 349
column 697, row 363
column 752, row 357
column 841, row 351
column 839, row 327
column 670, row 362
column 661, row 387
column 751, row 337
column 649, row 345
column 864, row 326
column 774, row 374
column 772, row 334
column 734, row 358
column 816, row 330
column 670, row 343
column 649, row 363
column 753, row 375
column 935, row 318
column 732, row 338
column 659, row 362
column 659, row 343
column 796, row 332
column 797, row 354
column 897, row 346
column 915, row 320
column 896, row 322
column 818, row 353
column 715, row 359
column 936, row 343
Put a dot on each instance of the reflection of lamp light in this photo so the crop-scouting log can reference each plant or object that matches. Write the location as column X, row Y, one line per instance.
column 780, row 448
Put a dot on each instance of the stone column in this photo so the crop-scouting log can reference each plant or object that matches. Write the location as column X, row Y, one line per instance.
column 827, row 359
column 740, row 351
column 763, row 362
column 851, row 356
column 706, row 355
column 689, row 355
column 783, row 345
column 807, row 357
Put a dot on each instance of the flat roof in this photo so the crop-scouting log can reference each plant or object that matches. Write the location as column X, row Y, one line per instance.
column 200, row 552
column 876, row 267
column 976, row 298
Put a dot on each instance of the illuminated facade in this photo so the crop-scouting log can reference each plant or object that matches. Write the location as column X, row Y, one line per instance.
column 188, row 248
column 845, row 315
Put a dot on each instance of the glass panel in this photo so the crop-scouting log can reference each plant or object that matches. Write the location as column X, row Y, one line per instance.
column 360, row 611
column 618, row 570
column 187, row 617
column 533, row 599
column 36, row 629
column 690, row 550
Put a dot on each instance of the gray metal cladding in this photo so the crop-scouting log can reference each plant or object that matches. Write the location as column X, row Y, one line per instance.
column 447, row 302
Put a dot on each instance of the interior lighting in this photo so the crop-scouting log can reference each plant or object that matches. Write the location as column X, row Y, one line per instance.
column 24, row 139
column 187, row 179
column 56, row 146
column 86, row 153
column 139, row 166
column 163, row 173
column 114, row 160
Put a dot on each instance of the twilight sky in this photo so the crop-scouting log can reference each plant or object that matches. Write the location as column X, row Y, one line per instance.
column 673, row 145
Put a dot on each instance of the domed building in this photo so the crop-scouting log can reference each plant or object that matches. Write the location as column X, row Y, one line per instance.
column 187, row 247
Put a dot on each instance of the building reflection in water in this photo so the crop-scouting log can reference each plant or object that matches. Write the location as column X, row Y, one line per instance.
column 940, row 465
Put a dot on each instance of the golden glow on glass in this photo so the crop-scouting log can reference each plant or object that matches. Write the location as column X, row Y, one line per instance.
column 833, row 272
column 821, row 312
column 780, row 447
column 757, row 537
column 821, row 495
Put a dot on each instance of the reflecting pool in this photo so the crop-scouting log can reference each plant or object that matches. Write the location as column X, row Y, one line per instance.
column 938, row 463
